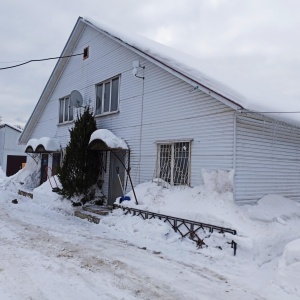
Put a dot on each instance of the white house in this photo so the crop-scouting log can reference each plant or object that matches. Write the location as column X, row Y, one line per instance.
column 174, row 119
column 11, row 154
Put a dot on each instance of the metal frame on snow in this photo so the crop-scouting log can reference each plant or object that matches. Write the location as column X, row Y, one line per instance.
column 192, row 227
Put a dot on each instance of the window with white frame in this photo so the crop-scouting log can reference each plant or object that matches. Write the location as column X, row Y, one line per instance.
column 65, row 110
column 107, row 96
column 173, row 162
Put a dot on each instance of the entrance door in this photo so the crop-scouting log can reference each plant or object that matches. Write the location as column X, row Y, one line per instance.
column 115, row 167
column 44, row 165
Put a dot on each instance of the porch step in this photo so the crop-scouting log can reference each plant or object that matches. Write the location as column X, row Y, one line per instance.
column 98, row 210
column 87, row 215
column 25, row 194
column 93, row 213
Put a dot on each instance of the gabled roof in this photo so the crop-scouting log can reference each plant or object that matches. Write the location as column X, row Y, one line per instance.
column 179, row 64
column 10, row 126
column 52, row 81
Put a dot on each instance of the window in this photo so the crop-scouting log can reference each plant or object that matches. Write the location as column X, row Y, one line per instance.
column 86, row 53
column 173, row 163
column 65, row 110
column 107, row 96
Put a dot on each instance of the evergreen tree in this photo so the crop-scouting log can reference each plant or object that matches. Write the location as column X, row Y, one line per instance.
column 80, row 168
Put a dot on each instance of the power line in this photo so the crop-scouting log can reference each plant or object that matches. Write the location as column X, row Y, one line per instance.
column 42, row 59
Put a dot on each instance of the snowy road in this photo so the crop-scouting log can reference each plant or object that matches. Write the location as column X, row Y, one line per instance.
column 48, row 255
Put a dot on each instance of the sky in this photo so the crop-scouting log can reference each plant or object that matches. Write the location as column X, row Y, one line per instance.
column 250, row 43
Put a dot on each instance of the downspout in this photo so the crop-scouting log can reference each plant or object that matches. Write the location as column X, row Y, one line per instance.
column 3, row 153
column 234, row 154
column 141, row 123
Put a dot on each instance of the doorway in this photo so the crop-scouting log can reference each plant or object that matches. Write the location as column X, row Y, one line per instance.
column 116, row 175
column 14, row 164
column 44, row 165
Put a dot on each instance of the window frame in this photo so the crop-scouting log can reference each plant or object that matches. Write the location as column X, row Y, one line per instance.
column 172, row 162
column 62, row 120
column 103, row 83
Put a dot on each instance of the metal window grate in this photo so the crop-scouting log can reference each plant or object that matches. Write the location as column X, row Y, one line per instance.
column 174, row 163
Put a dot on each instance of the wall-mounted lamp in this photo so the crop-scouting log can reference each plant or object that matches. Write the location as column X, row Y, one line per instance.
column 136, row 66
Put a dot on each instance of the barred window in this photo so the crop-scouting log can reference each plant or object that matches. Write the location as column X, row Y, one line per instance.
column 173, row 163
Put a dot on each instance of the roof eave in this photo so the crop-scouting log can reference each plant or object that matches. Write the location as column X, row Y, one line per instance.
column 52, row 81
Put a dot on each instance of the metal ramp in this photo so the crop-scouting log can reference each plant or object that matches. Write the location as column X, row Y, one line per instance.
column 186, row 228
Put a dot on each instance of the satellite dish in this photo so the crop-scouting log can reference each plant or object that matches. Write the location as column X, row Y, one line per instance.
column 76, row 99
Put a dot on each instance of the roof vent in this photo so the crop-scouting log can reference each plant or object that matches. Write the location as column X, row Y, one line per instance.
column 86, row 52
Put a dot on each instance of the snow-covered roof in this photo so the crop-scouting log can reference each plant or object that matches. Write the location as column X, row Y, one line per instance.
column 44, row 144
column 233, row 90
column 10, row 126
column 107, row 139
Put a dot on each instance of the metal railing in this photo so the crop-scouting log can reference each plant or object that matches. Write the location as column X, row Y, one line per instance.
column 180, row 225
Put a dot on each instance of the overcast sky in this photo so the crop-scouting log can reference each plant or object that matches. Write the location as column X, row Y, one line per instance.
column 243, row 38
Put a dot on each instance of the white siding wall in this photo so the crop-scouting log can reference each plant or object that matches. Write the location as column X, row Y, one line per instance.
column 170, row 109
column 267, row 159
column 9, row 145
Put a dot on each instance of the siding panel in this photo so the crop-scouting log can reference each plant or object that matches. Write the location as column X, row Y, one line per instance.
column 267, row 159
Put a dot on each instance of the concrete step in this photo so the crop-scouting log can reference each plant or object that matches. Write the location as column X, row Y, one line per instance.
column 88, row 216
column 98, row 210
column 25, row 194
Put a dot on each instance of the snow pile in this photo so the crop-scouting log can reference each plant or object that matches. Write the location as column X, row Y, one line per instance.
column 288, row 271
column 220, row 181
column 26, row 179
column 274, row 208
column 111, row 140
column 211, row 202
column 291, row 254
column 152, row 229
column 44, row 196
column 263, row 230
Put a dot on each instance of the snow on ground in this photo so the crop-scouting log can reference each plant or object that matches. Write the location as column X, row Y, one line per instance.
column 47, row 253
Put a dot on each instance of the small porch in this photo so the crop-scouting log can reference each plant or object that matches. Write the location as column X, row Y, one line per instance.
column 114, row 158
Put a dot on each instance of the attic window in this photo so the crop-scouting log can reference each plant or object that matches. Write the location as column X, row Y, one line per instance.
column 86, row 52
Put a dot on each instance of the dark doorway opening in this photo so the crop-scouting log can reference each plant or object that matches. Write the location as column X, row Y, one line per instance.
column 14, row 164
column 44, row 165
column 116, row 175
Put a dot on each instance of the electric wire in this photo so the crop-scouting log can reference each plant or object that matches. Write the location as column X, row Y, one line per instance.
column 42, row 59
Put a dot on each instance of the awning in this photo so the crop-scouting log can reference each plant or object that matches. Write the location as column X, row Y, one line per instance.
column 103, row 139
column 42, row 145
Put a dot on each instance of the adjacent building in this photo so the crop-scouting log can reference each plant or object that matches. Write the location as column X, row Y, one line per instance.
column 12, row 156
